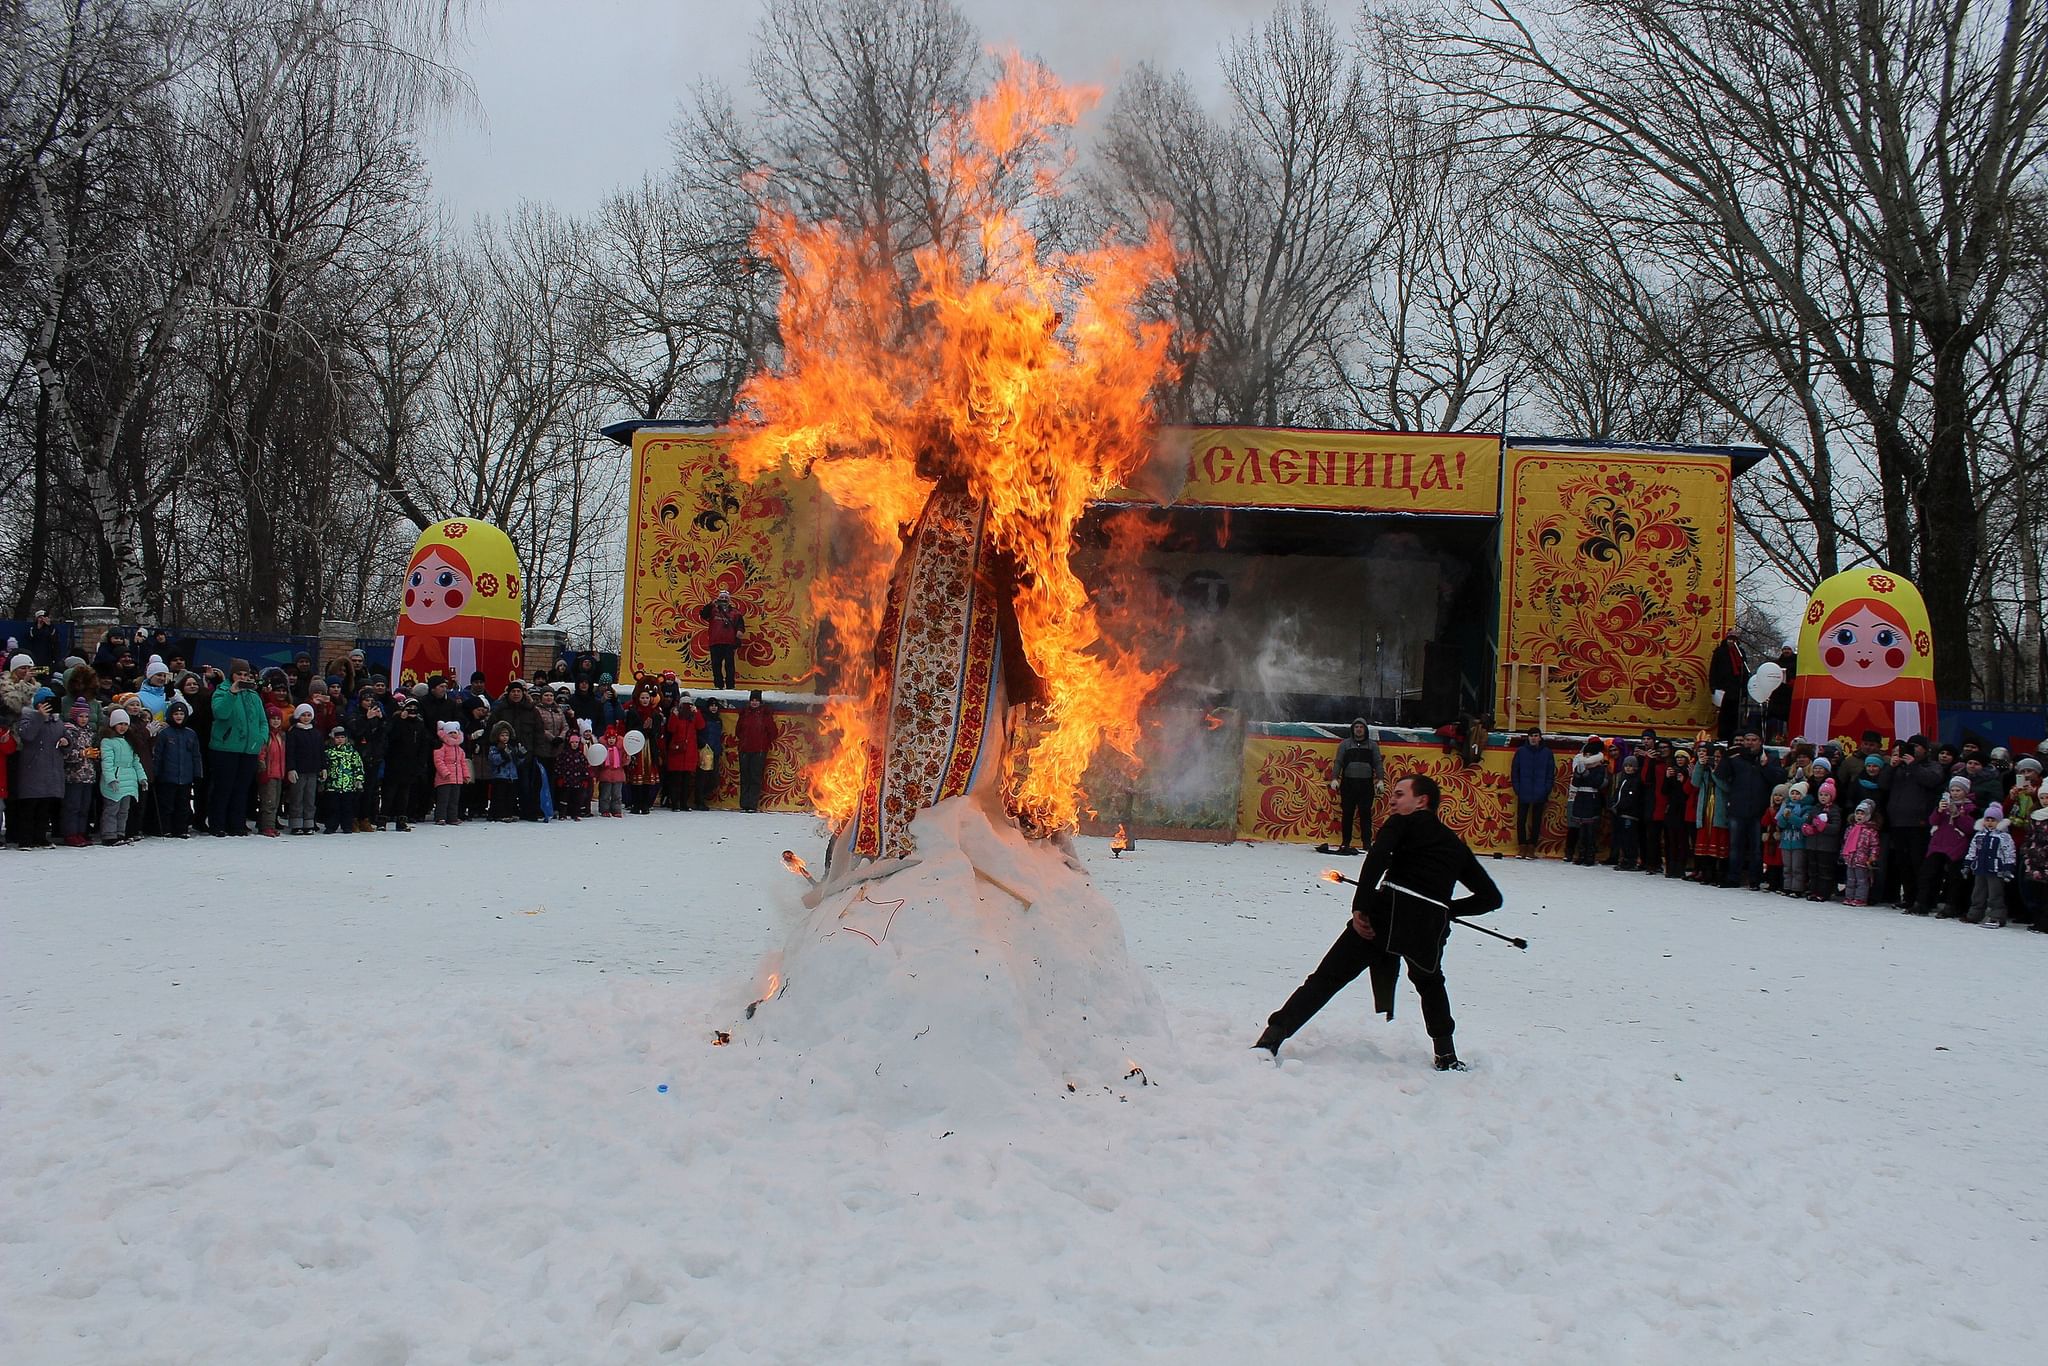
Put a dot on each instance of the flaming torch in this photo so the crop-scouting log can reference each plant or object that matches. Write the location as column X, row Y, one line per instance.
column 796, row 865
column 1118, row 843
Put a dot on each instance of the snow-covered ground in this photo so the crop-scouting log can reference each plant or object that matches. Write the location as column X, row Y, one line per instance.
column 399, row 1099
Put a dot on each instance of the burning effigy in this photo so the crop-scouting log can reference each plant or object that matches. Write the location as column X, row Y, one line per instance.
column 961, row 416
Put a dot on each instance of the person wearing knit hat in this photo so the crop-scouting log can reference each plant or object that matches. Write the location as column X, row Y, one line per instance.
column 304, row 758
column 1991, row 862
column 122, row 779
column 1793, row 819
column 1860, row 848
column 1942, row 890
column 1824, row 831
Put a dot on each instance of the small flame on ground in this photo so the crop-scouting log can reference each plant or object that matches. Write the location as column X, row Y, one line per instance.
column 774, row 981
column 1332, row 875
column 1212, row 720
column 1119, row 841
column 796, row 865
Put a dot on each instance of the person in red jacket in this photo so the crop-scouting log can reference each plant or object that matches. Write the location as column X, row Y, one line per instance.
column 757, row 730
column 724, row 627
column 679, row 766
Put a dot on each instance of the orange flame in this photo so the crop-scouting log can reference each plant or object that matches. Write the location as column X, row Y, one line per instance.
column 1332, row 875
column 1120, row 841
column 774, row 981
column 1027, row 374
column 796, row 865
column 1212, row 720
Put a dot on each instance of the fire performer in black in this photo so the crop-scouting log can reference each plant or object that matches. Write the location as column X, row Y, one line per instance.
column 1414, row 858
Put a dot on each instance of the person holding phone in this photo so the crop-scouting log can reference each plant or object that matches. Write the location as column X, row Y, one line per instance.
column 238, row 735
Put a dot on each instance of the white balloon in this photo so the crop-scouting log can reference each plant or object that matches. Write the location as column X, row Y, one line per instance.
column 594, row 752
column 635, row 742
column 1765, row 681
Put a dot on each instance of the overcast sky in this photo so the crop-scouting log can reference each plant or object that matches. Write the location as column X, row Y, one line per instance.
column 577, row 96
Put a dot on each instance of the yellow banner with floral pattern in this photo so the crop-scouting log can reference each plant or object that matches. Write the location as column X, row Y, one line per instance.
column 1617, row 572
column 1285, row 793
column 696, row 529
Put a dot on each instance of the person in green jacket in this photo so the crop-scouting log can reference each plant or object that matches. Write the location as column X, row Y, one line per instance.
column 239, row 732
column 122, row 779
column 343, row 781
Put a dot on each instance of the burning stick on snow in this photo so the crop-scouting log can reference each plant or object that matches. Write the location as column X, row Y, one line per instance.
column 1119, row 842
column 796, row 865
column 1332, row 875
column 767, row 993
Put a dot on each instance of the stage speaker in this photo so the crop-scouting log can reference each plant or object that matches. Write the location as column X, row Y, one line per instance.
column 1443, row 677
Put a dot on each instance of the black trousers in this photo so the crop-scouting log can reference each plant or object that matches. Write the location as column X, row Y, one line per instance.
column 398, row 804
column 753, row 768
column 1529, row 821
column 1905, row 851
column 677, row 789
column 227, row 800
column 1349, row 956
column 722, row 657
column 1354, row 799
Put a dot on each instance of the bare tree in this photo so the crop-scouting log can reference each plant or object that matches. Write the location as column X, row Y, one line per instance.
column 1904, row 138
column 1278, row 213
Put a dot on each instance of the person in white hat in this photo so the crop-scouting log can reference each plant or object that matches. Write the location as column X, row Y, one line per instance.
column 303, row 760
column 122, row 779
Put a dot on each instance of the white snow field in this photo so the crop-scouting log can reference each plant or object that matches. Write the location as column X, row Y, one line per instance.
column 387, row 1099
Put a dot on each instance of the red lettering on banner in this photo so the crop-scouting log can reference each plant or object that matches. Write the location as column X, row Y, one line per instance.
column 1434, row 475
column 1352, row 462
column 1322, row 467
column 1209, row 464
column 1252, row 471
column 1284, row 471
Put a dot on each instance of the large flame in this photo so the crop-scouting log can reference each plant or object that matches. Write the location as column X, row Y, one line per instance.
column 1027, row 373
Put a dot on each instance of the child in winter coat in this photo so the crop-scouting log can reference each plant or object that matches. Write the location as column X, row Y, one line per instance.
column 1628, row 816
column 304, row 761
column 81, row 774
column 179, row 762
column 1859, row 853
column 1792, row 818
column 122, row 780
column 611, row 774
column 505, row 756
column 572, row 774
column 1991, row 863
column 1823, row 831
column 343, row 781
column 1947, row 841
column 451, row 771
column 270, row 771
column 1710, row 838
column 1773, row 855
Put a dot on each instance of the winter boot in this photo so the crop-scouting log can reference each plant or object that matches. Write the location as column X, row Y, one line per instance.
column 1447, row 1057
column 1271, row 1041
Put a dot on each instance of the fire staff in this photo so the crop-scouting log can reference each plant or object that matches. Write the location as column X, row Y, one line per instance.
column 1414, row 855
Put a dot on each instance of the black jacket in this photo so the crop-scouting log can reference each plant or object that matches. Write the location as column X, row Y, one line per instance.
column 1750, row 779
column 1417, row 852
column 406, row 754
column 305, row 751
column 1910, row 792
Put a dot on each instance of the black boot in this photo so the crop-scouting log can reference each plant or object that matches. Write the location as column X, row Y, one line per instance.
column 1271, row 1041
column 1447, row 1057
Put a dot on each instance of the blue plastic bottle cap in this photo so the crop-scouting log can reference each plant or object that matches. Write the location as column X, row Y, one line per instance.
column 663, row 1088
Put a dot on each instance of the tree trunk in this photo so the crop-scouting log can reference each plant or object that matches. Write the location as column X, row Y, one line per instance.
column 1947, row 516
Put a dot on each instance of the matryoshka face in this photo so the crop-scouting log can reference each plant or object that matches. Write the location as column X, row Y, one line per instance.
column 1865, row 650
column 436, row 590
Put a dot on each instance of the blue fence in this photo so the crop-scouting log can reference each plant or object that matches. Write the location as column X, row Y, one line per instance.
column 2015, row 725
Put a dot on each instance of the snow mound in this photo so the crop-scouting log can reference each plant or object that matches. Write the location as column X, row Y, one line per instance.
column 984, row 972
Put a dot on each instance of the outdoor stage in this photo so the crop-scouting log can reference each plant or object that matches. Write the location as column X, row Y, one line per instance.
column 1299, row 578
